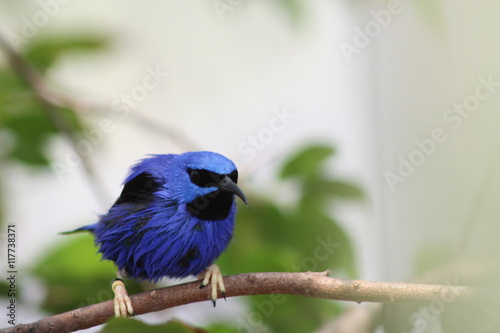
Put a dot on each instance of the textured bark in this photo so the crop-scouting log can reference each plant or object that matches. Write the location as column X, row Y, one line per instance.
column 309, row 284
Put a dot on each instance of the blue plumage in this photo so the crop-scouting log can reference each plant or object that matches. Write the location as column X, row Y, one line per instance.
column 174, row 217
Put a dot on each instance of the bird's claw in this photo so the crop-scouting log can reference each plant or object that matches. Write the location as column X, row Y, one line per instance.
column 123, row 305
column 213, row 276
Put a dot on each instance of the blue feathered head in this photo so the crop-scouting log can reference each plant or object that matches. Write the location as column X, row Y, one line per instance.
column 183, row 178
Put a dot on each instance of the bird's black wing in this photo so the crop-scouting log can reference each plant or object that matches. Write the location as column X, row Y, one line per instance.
column 139, row 190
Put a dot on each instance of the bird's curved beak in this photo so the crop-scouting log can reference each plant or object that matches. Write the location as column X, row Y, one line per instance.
column 228, row 185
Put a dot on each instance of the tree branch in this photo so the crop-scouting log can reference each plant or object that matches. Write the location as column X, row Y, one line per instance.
column 308, row 284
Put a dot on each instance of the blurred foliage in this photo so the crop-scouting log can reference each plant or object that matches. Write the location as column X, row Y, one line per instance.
column 31, row 130
column 442, row 263
column 432, row 12
column 129, row 325
column 22, row 116
column 25, row 122
column 294, row 9
column 43, row 54
column 434, row 256
column 75, row 277
column 301, row 236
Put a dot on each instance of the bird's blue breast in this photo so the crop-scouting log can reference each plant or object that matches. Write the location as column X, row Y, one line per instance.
column 161, row 240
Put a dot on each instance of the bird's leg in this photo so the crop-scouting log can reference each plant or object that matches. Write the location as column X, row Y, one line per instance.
column 123, row 306
column 213, row 275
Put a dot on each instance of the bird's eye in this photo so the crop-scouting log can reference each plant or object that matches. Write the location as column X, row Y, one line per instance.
column 204, row 178
column 234, row 176
column 194, row 176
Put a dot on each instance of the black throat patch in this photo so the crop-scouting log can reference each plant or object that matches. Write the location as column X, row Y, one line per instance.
column 211, row 207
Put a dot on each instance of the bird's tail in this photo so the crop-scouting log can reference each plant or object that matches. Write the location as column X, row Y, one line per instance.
column 90, row 227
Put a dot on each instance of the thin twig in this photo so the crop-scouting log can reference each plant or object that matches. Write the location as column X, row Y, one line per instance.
column 180, row 138
column 85, row 106
column 35, row 81
column 309, row 284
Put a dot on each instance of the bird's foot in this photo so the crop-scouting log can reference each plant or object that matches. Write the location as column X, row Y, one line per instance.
column 123, row 306
column 213, row 276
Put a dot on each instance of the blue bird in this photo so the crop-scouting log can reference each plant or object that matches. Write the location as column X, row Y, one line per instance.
column 173, row 218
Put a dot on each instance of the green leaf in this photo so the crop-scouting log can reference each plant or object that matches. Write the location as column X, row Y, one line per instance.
column 294, row 9
column 221, row 328
column 318, row 191
column 306, row 162
column 27, row 121
column 75, row 276
column 129, row 325
column 5, row 287
column 298, row 237
column 263, row 222
column 30, row 134
column 31, row 129
column 342, row 189
column 342, row 258
column 10, row 87
column 44, row 53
